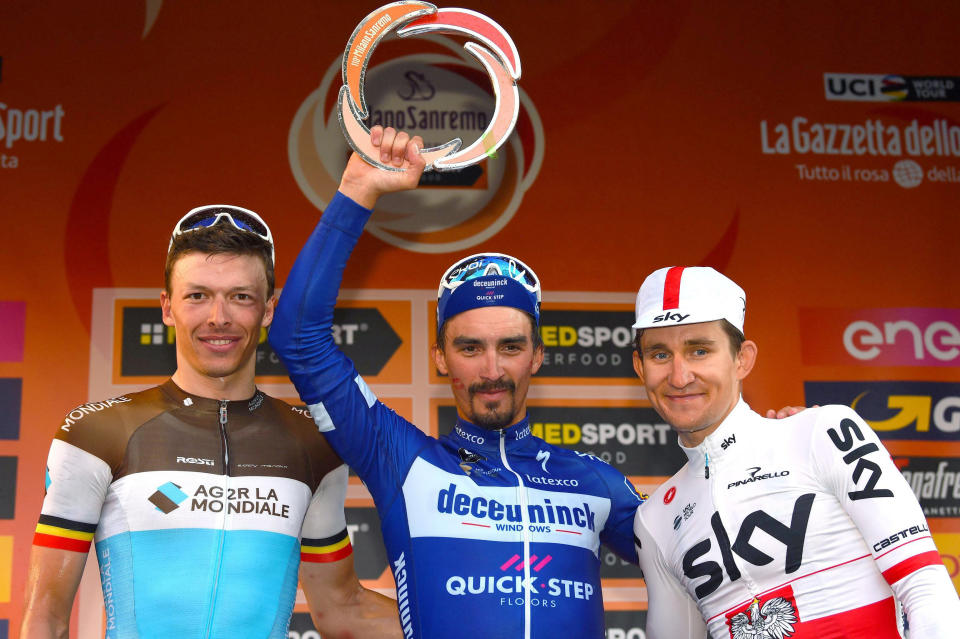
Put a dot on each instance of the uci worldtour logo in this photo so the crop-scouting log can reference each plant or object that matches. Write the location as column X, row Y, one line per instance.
column 862, row 87
column 440, row 94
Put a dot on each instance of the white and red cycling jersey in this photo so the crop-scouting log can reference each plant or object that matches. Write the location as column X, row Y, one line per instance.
column 800, row 528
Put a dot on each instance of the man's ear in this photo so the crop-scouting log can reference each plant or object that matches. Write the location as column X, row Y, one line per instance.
column 638, row 365
column 268, row 310
column 746, row 358
column 165, row 309
column 537, row 360
column 439, row 359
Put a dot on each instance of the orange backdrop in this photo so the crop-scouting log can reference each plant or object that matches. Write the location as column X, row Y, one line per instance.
column 809, row 150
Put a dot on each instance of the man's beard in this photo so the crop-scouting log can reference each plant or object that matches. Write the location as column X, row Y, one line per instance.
column 494, row 418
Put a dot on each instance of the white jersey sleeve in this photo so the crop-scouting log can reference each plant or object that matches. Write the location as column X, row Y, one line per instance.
column 856, row 467
column 324, row 535
column 671, row 613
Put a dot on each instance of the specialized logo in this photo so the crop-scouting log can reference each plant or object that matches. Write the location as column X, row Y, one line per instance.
column 167, row 498
column 756, row 476
column 792, row 535
column 728, row 441
column 844, row 439
column 543, row 455
column 543, row 592
column 499, row 57
column 774, row 619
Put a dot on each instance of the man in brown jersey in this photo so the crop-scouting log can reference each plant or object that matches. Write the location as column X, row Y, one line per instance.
column 203, row 494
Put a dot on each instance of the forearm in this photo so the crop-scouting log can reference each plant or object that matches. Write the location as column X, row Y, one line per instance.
column 930, row 601
column 364, row 615
column 301, row 327
column 52, row 582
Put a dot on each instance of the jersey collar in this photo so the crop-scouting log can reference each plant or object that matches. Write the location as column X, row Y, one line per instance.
column 207, row 405
column 472, row 437
column 721, row 441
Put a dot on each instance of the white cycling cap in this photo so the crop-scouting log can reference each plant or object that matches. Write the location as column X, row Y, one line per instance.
column 689, row 295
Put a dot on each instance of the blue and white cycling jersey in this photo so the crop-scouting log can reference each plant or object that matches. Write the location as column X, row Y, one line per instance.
column 488, row 533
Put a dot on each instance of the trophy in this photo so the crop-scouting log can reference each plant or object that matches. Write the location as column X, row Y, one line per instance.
column 493, row 48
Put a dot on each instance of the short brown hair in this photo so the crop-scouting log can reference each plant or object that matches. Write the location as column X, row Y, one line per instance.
column 220, row 239
column 736, row 338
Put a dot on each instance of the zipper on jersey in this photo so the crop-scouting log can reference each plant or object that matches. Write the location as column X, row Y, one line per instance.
column 223, row 436
column 522, row 490
column 719, row 502
column 219, row 559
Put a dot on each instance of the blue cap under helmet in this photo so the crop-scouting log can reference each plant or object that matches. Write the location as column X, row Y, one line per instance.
column 488, row 279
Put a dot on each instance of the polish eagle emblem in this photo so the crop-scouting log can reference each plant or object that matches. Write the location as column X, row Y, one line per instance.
column 773, row 620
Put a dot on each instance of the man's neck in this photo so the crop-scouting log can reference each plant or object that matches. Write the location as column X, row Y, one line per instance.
column 692, row 439
column 238, row 386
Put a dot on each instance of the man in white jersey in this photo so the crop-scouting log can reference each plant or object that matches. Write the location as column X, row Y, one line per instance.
column 799, row 529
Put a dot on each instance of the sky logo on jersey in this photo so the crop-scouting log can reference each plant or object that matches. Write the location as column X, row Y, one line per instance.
column 896, row 410
column 167, row 498
column 543, row 517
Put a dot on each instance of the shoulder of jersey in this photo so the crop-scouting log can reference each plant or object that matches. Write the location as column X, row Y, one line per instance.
column 297, row 412
column 108, row 409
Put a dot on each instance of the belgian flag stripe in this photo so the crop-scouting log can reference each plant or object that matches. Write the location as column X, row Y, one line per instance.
column 64, row 532
column 60, row 522
column 64, row 543
column 337, row 555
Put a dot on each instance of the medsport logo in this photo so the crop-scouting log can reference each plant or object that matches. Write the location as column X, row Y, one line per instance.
column 896, row 410
column 587, row 343
column 439, row 93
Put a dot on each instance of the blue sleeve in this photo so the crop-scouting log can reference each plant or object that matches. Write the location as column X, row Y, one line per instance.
column 376, row 442
column 624, row 501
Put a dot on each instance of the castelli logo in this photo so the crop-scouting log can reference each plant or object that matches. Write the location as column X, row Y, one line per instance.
column 670, row 495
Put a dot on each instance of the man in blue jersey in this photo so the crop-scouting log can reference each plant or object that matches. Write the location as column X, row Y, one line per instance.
column 203, row 494
column 490, row 531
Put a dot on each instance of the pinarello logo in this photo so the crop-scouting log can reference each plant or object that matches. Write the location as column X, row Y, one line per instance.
column 438, row 94
column 667, row 498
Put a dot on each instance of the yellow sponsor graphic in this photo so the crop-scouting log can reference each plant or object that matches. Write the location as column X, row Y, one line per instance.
column 6, row 567
column 949, row 546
